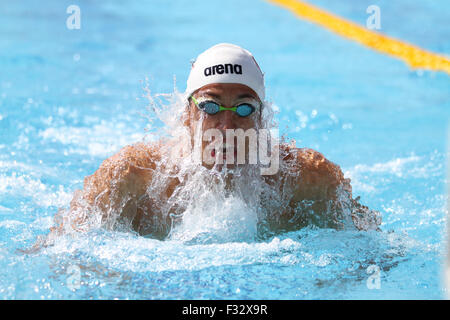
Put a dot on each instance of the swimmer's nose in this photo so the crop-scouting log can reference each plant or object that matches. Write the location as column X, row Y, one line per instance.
column 226, row 120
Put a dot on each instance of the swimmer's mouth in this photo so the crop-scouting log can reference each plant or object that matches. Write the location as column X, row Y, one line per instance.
column 226, row 149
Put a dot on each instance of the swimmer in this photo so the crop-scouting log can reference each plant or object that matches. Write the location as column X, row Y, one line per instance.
column 141, row 185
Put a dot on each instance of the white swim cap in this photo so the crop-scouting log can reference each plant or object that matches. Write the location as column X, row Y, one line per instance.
column 226, row 63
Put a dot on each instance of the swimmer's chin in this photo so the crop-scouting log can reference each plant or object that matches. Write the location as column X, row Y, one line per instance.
column 220, row 161
column 220, row 167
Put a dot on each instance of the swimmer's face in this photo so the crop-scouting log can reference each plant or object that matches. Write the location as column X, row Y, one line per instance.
column 227, row 95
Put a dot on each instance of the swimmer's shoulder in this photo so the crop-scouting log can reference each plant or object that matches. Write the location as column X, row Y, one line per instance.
column 303, row 156
column 132, row 161
column 311, row 165
column 140, row 154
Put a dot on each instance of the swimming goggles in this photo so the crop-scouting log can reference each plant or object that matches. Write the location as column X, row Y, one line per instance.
column 211, row 107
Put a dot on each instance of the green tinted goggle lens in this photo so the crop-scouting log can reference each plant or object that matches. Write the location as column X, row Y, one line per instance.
column 211, row 107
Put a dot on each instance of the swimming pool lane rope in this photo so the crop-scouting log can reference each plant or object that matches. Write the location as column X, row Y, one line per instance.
column 415, row 57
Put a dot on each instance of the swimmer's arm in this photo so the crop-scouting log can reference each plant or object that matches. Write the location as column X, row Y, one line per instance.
column 322, row 181
column 113, row 189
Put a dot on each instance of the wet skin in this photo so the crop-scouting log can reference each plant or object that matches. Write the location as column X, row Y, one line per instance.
column 227, row 95
column 127, row 174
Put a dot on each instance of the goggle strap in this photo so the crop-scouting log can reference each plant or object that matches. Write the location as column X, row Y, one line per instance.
column 195, row 100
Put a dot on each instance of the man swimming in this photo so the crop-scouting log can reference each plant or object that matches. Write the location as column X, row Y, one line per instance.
column 151, row 187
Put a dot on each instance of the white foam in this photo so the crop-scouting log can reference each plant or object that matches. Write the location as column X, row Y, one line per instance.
column 27, row 186
column 397, row 168
column 11, row 224
column 137, row 254
column 100, row 140
column 222, row 220
column 4, row 209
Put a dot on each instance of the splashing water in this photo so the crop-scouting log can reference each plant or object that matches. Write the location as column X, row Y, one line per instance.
column 217, row 219
column 216, row 234
column 58, row 124
column 212, row 205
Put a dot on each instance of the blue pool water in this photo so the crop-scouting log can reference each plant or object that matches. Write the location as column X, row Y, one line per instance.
column 71, row 98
